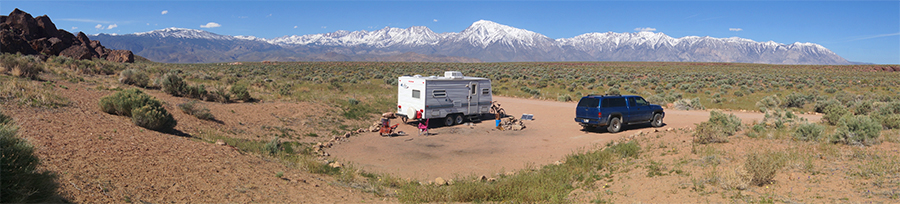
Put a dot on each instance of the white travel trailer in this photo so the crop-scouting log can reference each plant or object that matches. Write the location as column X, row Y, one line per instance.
column 453, row 97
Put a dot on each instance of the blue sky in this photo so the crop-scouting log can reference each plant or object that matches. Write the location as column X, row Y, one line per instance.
column 859, row 31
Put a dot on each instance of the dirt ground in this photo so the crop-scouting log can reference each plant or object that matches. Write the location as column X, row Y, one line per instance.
column 104, row 158
column 479, row 149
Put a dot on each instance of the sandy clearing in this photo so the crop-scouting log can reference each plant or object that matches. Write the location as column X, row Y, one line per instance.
column 479, row 149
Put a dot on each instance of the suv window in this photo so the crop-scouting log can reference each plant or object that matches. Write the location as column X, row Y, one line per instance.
column 589, row 102
column 640, row 101
column 613, row 102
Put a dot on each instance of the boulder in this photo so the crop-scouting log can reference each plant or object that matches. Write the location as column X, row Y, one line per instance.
column 440, row 181
column 77, row 52
column 120, row 56
column 12, row 43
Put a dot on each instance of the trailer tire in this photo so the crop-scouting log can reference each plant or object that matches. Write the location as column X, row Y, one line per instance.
column 448, row 121
column 458, row 119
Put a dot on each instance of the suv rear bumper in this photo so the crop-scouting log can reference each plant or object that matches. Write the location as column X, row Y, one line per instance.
column 590, row 122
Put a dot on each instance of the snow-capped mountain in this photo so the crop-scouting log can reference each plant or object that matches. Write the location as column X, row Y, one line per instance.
column 490, row 41
column 383, row 38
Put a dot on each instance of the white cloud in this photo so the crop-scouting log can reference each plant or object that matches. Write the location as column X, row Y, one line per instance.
column 164, row 12
column 73, row 27
column 295, row 26
column 211, row 25
column 735, row 29
column 648, row 29
column 98, row 26
column 112, row 26
column 148, row 23
column 324, row 26
column 876, row 36
column 435, row 20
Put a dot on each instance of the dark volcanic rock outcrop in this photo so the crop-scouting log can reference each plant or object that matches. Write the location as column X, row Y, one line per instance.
column 21, row 33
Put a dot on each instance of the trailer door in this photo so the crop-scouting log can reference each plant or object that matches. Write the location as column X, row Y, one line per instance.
column 473, row 98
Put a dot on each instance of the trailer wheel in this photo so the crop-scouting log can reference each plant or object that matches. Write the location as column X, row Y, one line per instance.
column 448, row 121
column 458, row 119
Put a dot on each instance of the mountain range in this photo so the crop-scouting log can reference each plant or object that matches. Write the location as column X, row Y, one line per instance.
column 483, row 41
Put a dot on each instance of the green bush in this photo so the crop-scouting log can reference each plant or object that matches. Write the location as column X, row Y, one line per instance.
column 834, row 113
column 685, row 104
column 613, row 91
column 134, row 77
column 273, row 146
column 123, row 102
column 172, row 84
column 821, row 105
column 240, row 92
column 154, row 118
column 20, row 66
column 857, row 130
column 717, row 128
column 796, row 100
column 763, row 166
column 808, row 132
column 21, row 181
column 890, row 121
column 144, row 110
column 564, row 98
column 768, row 103
column 862, row 107
column 191, row 108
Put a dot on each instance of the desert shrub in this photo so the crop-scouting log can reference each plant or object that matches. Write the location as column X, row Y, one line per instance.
column 795, row 99
column 196, row 91
column 834, row 113
column 822, row 104
column 144, row 110
column 762, row 166
column 862, row 107
column 134, row 77
column 154, row 118
column 30, row 93
column 20, row 66
column 768, row 103
column 240, row 92
column 613, row 91
column 191, row 108
column 857, row 130
column 22, row 182
column 808, row 132
column 172, row 84
column 629, row 149
column 274, row 146
column 717, row 128
column 124, row 102
column 564, row 98
column 685, row 104
column 891, row 121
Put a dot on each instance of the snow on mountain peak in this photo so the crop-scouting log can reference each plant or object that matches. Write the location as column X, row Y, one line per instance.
column 184, row 33
column 483, row 33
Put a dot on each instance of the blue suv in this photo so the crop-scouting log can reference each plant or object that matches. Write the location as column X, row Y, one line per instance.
column 612, row 111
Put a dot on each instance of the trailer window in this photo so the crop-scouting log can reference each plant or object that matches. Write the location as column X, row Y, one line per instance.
column 485, row 91
column 416, row 93
column 439, row 93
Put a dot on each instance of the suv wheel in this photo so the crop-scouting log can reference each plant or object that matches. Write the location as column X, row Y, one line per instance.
column 657, row 120
column 615, row 125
